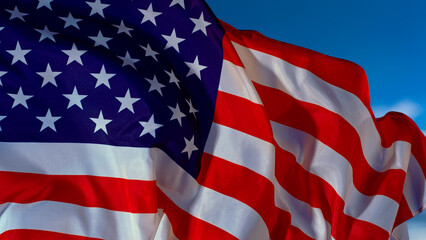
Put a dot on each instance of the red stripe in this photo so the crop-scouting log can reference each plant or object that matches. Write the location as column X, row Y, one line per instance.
column 248, row 117
column 338, row 72
column 243, row 115
column 319, row 194
column 20, row 234
column 90, row 191
column 240, row 114
column 229, row 52
column 186, row 226
column 398, row 127
column 403, row 214
column 250, row 188
column 334, row 131
column 350, row 77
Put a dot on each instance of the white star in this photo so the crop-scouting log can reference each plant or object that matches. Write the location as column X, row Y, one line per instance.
column 101, row 123
column 46, row 33
column 15, row 13
column 48, row 121
column 180, row 2
column 190, row 147
column 101, row 40
column 1, row 118
column 191, row 107
column 200, row 24
column 149, row 15
column 149, row 52
column 195, row 68
column 173, row 78
column 103, row 77
column 48, row 76
column 71, row 21
column 18, row 54
column 177, row 114
column 1, row 75
column 123, row 29
column 173, row 40
column 155, row 85
column 127, row 60
column 44, row 3
column 127, row 102
column 1, row 28
column 97, row 7
column 150, row 127
column 74, row 54
column 75, row 99
column 20, row 98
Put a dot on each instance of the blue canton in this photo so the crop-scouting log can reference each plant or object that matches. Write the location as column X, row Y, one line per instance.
column 117, row 72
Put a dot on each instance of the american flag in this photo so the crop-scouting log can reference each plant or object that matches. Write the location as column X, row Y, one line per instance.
column 143, row 119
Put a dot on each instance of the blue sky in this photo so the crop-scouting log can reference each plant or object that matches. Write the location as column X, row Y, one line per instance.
column 386, row 38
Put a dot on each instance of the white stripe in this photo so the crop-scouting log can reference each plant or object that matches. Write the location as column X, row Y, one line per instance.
column 164, row 230
column 322, row 161
column 77, row 159
column 415, row 187
column 136, row 163
column 259, row 156
column 76, row 220
column 234, row 80
column 400, row 232
column 396, row 156
column 303, row 216
column 333, row 168
column 222, row 211
column 244, row 150
column 305, row 86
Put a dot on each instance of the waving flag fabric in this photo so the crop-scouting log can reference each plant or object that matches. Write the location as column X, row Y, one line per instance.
column 153, row 120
